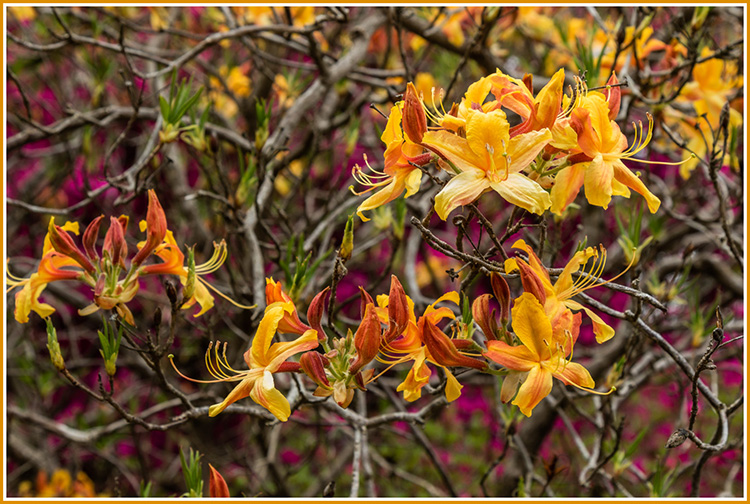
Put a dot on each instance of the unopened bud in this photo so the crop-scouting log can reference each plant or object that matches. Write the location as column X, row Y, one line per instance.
column 502, row 294
column 414, row 120
column 677, row 438
column 398, row 310
column 347, row 243
column 156, row 228
column 480, row 310
column 217, row 486
column 314, row 365
column 54, row 347
column 315, row 313
column 89, row 238
column 613, row 95
column 114, row 242
column 63, row 243
column 364, row 300
column 366, row 339
column 171, row 292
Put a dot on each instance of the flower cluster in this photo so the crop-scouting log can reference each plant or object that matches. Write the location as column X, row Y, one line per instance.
column 114, row 277
column 537, row 346
column 563, row 143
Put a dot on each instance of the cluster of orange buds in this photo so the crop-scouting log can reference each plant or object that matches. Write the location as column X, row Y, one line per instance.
column 113, row 278
column 564, row 142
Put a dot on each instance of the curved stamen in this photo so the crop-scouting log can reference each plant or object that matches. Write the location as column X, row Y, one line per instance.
column 216, row 260
column 231, row 378
column 217, row 291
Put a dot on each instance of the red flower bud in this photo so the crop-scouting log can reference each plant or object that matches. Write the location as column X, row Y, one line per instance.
column 217, row 487
column 315, row 313
column 314, row 364
column 528, row 82
column 366, row 339
column 443, row 351
column 89, row 238
column 156, row 228
column 613, row 96
column 63, row 243
column 114, row 242
column 289, row 367
column 502, row 294
column 531, row 282
column 480, row 310
column 414, row 120
column 398, row 311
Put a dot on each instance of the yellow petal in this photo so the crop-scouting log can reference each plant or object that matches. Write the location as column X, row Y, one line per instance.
column 241, row 391
column 523, row 149
column 266, row 394
column 462, row 189
column 452, row 387
column 572, row 373
column 598, row 182
column 531, row 325
column 623, row 175
column 518, row 358
column 280, row 352
column 523, row 192
column 537, row 386
column 567, row 184
column 258, row 355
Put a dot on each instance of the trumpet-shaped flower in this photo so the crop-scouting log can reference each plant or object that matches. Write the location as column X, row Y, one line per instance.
column 558, row 295
column 263, row 359
column 599, row 167
column 543, row 354
column 488, row 158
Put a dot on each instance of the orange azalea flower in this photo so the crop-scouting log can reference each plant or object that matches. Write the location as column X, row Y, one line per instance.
column 543, row 352
column 488, row 158
column 398, row 174
column 263, row 359
column 599, row 165
column 558, row 295
column 410, row 346
column 275, row 296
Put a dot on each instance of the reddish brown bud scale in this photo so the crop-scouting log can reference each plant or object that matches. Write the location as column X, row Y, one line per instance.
column 366, row 339
column 315, row 313
column 289, row 367
column 398, row 311
column 528, row 82
column 531, row 282
column 217, row 486
column 89, row 238
column 444, row 352
column 314, row 364
column 502, row 294
column 156, row 228
column 63, row 243
column 414, row 120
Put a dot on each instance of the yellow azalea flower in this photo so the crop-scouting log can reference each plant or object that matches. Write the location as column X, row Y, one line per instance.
column 643, row 46
column 714, row 82
column 238, row 82
column 173, row 264
column 397, row 175
column 410, row 346
column 488, row 158
column 425, row 83
column 543, row 353
column 263, row 359
column 23, row 13
column 599, row 165
column 559, row 294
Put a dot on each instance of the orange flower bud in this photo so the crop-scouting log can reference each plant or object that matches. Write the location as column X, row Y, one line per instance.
column 502, row 294
column 531, row 282
column 398, row 311
column 366, row 339
column 289, row 367
column 314, row 364
column 63, row 243
column 480, row 310
column 443, row 350
column 217, row 487
column 89, row 238
column 613, row 96
column 156, row 228
column 414, row 120
column 114, row 242
column 365, row 299
column 528, row 82
column 315, row 313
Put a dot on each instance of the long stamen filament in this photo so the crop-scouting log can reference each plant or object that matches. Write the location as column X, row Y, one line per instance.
column 217, row 291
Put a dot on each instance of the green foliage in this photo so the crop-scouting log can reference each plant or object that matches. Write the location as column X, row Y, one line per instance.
column 110, row 346
column 193, row 473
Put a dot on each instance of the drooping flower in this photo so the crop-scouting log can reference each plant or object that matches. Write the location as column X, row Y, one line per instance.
column 489, row 159
column 543, row 354
column 263, row 359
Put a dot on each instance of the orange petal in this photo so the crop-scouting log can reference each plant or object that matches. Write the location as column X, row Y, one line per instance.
column 537, row 386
